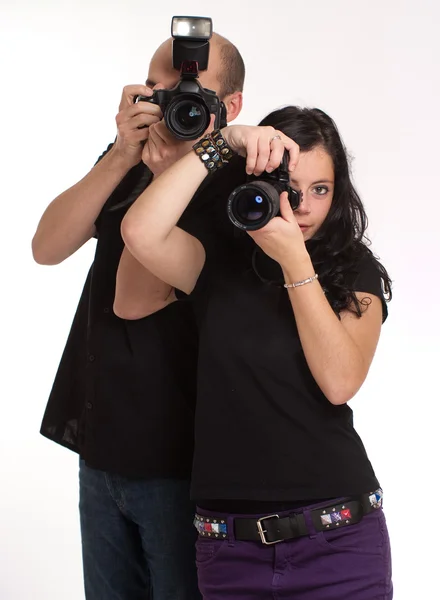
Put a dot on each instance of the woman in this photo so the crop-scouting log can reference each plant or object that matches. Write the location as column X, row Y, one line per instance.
column 289, row 319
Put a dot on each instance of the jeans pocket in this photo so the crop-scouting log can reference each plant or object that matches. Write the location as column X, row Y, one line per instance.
column 207, row 550
column 365, row 537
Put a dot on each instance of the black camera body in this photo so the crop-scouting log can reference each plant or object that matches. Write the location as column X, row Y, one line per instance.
column 252, row 205
column 187, row 107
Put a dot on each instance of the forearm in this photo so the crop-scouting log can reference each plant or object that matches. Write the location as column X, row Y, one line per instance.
column 333, row 357
column 158, row 209
column 138, row 292
column 68, row 222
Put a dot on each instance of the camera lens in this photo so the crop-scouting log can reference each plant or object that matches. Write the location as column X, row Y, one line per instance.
column 187, row 118
column 252, row 205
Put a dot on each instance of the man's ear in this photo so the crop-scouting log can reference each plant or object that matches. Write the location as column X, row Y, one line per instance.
column 234, row 104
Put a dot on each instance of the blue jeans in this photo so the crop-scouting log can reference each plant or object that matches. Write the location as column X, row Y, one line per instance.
column 138, row 540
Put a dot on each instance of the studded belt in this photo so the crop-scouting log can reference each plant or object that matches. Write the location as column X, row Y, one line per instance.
column 271, row 529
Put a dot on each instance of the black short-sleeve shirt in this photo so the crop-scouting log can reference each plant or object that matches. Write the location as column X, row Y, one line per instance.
column 125, row 391
column 264, row 430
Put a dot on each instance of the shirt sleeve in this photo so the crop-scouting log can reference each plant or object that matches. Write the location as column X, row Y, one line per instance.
column 201, row 229
column 109, row 147
column 97, row 161
column 369, row 280
column 206, row 217
column 126, row 192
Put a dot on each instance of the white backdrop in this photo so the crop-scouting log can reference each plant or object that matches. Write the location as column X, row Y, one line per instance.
column 374, row 67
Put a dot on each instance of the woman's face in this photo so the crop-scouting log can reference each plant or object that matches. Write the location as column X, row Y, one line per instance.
column 314, row 177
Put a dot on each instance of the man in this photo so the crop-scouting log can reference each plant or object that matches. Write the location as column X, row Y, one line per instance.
column 124, row 393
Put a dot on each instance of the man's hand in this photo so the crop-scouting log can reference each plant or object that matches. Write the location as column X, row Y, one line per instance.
column 162, row 149
column 133, row 121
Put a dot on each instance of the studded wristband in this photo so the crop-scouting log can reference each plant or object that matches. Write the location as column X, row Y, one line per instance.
column 224, row 150
column 208, row 154
column 213, row 151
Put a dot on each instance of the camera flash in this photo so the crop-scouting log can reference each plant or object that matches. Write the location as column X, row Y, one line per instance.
column 199, row 28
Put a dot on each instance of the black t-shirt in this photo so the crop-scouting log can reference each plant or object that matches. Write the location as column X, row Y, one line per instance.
column 124, row 393
column 265, row 432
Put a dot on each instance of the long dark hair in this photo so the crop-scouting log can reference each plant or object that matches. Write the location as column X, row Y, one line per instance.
column 340, row 243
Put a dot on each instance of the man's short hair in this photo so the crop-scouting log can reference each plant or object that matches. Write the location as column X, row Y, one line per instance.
column 232, row 70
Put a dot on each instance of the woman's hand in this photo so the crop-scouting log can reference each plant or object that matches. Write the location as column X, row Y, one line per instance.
column 263, row 147
column 283, row 240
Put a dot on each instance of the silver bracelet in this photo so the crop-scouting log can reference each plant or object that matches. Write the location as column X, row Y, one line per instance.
column 303, row 282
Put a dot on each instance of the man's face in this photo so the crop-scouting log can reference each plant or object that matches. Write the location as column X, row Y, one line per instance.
column 162, row 148
column 161, row 73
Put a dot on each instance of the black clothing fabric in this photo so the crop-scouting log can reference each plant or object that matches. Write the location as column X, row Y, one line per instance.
column 265, row 432
column 124, row 394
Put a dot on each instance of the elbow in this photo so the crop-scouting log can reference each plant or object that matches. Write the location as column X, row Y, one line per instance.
column 127, row 229
column 41, row 255
column 125, row 307
column 339, row 398
column 140, row 238
column 129, row 313
column 342, row 393
column 342, row 386
column 132, row 234
column 134, row 312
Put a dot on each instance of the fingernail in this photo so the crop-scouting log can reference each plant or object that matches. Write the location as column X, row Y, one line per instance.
column 269, row 169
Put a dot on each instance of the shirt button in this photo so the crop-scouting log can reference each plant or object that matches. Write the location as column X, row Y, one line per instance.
column 89, row 405
column 106, row 310
column 91, row 357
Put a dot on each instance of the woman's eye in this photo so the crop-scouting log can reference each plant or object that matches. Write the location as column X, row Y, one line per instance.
column 321, row 190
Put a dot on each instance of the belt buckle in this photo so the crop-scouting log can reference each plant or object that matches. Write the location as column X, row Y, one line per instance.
column 262, row 531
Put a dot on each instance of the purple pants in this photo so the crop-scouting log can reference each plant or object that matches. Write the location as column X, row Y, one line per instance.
column 351, row 563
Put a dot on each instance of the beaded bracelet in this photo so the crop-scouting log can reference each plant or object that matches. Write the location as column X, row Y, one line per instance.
column 303, row 282
column 213, row 151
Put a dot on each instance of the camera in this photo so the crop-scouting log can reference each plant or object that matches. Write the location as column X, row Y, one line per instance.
column 252, row 205
column 187, row 107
